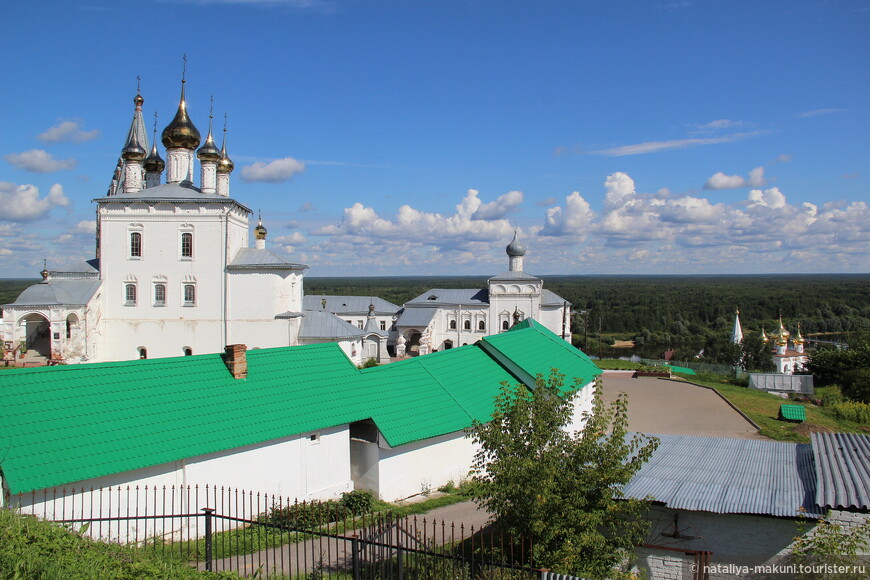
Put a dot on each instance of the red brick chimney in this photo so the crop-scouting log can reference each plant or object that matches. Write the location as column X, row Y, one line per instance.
column 236, row 360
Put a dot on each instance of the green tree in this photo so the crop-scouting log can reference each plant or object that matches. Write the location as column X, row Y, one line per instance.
column 848, row 367
column 560, row 489
column 830, row 544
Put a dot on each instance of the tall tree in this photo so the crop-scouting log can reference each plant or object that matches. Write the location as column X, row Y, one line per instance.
column 562, row 489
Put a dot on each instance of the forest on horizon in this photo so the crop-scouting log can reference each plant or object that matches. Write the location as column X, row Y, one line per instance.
column 655, row 310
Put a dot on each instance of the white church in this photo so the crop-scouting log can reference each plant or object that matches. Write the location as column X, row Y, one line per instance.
column 174, row 275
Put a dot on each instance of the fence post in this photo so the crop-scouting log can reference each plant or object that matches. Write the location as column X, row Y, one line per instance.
column 399, row 553
column 354, row 558
column 208, row 512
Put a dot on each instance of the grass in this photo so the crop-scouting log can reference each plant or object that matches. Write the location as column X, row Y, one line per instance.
column 613, row 364
column 254, row 538
column 33, row 548
column 763, row 408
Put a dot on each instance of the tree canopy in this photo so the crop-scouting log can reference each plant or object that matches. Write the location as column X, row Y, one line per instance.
column 558, row 488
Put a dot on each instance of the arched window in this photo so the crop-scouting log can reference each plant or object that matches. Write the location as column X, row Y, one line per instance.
column 160, row 295
column 481, row 325
column 143, row 352
column 187, row 245
column 452, row 325
column 187, row 351
column 466, row 325
column 135, row 245
column 189, row 295
column 130, row 295
column 504, row 324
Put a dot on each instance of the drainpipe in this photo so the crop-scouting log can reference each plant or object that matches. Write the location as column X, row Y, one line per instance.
column 226, row 274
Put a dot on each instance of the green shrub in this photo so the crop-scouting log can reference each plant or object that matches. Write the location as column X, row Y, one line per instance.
column 852, row 411
column 653, row 369
column 358, row 501
column 305, row 515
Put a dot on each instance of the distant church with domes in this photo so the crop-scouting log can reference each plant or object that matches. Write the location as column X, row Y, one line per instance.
column 175, row 275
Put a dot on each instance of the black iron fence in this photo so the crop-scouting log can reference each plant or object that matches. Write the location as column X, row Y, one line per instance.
column 216, row 528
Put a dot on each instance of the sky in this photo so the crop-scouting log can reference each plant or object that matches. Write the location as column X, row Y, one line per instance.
column 413, row 137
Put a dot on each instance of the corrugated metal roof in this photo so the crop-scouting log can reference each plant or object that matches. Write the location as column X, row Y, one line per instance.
column 415, row 316
column 253, row 258
column 325, row 325
column 59, row 425
column 724, row 475
column 842, row 469
column 349, row 304
column 69, row 291
column 452, row 296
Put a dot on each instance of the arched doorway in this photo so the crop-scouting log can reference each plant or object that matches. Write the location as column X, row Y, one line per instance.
column 448, row 344
column 34, row 338
column 413, row 344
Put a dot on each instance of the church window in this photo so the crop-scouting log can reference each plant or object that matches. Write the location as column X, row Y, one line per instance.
column 160, row 295
column 135, row 245
column 187, row 351
column 189, row 295
column 359, row 323
column 383, row 325
column 504, row 324
column 130, row 295
column 481, row 325
column 143, row 352
column 452, row 325
column 186, row 245
column 466, row 325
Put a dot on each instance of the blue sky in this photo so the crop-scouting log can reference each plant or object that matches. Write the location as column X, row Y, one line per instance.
column 410, row 137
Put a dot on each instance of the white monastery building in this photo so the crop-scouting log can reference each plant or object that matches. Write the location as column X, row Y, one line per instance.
column 175, row 275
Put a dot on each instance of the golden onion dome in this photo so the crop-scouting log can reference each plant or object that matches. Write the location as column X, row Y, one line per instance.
column 132, row 150
column 260, row 231
column 225, row 164
column 154, row 163
column 798, row 339
column 181, row 132
column 209, row 151
column 138, row 100
column 764, row 338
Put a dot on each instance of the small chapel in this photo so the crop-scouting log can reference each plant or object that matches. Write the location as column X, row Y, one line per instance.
column 175, row 274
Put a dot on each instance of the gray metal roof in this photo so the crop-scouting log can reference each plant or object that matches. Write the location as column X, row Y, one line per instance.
column 842, row 469
column 324, row 325
column 724, row 475
column 512, row 275
column 452, row 297
column 63, row 292
column 184, row 191
column 550, row 298
column 418, row 317
column 255, row 259
column 349, row 304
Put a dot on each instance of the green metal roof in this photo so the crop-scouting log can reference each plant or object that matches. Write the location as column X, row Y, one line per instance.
column 792, row 413
column 64, row 424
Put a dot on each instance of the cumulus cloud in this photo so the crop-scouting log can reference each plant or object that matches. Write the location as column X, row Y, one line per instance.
column 39, row 161
column 69, row 131
column 721, row 181
column 573, row 219
column 86, row 227
column 21, row 203
column 294, row 239
column 500, row 208
column 772, row 198
column 275, row 171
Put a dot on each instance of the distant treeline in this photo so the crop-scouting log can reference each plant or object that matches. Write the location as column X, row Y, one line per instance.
column 655, row 309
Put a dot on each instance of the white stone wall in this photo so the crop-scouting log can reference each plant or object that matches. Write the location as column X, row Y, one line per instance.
column 425, row 465
column 295, row 468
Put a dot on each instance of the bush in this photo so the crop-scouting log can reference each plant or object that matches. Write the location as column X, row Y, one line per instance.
column 852, row 411
column 305, row 515
column 358, row 501
column 369, row 363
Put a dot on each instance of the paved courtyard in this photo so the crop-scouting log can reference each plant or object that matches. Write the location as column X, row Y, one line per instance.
column 669, row 407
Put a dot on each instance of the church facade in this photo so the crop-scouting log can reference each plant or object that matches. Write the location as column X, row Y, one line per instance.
column 175, row 274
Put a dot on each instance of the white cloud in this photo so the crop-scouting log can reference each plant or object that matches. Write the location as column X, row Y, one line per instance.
column 772, row 198
column 721, row 181
column 819, row 112
column 500, row 208
column 574, row 219
column 70, row 131
column 294, row 239
column 86, row 227
column 717, row 125
column 546, row 202
column 21, row 203
column 273, row 172
column 655, row 146
column 39, row 161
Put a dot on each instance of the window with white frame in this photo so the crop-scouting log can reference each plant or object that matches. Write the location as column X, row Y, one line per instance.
column 129, row 294
column 190, row 294
column 466, row 325
column 187, row 245
column 481, row 325
column 159, row 294
column 135, row 244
